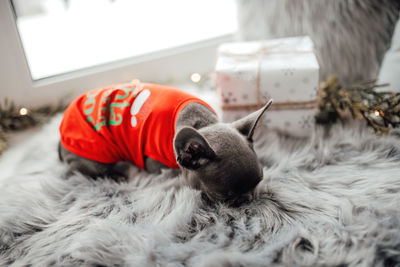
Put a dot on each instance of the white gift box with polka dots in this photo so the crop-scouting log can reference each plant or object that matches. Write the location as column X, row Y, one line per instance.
column 248, row 74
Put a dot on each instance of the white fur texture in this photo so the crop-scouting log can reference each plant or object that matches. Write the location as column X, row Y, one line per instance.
column 333, row 200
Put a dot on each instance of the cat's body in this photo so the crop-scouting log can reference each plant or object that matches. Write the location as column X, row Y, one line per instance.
column 216, row 158
column 193, row 115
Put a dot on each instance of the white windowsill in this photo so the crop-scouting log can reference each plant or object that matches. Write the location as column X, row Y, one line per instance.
column 197, row 48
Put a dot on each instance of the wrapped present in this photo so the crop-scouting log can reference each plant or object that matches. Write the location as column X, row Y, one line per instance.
column 248, row 74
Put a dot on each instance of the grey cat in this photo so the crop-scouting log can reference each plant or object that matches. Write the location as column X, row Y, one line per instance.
column 205, row 149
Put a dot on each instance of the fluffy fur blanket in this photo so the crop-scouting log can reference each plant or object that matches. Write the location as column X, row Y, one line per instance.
column 331, row 200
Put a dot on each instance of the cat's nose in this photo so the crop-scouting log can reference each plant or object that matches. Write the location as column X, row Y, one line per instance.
column 245, row 198
column 250, row 197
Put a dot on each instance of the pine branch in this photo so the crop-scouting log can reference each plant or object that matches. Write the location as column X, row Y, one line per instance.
column 381, row 110
column 13, row 118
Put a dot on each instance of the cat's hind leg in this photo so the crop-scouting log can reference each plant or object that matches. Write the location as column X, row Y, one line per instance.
column 85, row 166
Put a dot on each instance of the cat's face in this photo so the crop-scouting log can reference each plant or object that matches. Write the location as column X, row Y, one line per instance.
column 220, row 160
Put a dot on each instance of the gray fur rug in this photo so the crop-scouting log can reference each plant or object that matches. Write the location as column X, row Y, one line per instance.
column 332, row 200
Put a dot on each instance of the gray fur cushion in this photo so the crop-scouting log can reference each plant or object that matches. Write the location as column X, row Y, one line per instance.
column 350, row 36
column 333, row 200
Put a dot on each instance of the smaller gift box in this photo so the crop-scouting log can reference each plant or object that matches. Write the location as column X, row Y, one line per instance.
column 248, row 74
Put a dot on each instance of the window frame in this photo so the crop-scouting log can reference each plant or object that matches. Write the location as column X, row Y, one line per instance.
column 17, row 85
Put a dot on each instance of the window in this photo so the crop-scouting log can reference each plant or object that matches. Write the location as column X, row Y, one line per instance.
column 67, row 35
column 52, row 49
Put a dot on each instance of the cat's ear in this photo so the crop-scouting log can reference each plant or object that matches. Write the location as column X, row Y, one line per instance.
column 191, row 149
column 247, row 125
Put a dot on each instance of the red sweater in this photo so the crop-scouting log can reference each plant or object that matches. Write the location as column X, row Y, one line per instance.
column 125, row 122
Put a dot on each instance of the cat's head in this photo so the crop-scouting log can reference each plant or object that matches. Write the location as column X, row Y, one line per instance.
column 220, row 160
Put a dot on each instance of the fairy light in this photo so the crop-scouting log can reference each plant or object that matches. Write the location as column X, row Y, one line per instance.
column 195, row 77
column 23, row 111
column 376, row 113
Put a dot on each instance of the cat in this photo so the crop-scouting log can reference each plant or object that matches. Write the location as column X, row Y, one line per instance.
column 214, row 157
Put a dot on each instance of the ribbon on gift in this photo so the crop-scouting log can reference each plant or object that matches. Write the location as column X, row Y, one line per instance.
column 288, row 105
column 262, row 50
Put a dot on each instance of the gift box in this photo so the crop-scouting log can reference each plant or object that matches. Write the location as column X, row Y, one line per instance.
column 248, row 74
